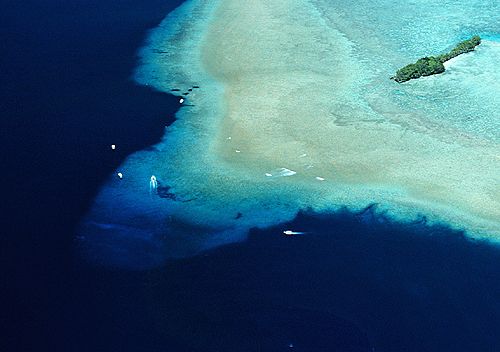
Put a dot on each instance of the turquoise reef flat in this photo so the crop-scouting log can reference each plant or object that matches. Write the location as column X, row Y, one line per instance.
column 294, row 111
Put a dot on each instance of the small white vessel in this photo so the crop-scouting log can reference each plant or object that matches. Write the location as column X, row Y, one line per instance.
column 153, row 183
column 120, row 175
column 291, row 233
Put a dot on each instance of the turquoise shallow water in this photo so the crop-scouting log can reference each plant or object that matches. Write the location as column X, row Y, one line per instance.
column 295, row 110
column 467, row 96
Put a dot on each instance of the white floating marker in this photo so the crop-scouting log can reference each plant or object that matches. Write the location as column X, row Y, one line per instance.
column 319, row 178
column 120, row 175
column 113, row 146
column 181, row 100
column 228, row 138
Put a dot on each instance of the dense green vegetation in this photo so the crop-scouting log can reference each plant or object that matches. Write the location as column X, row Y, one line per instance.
column 423, row 67
column 434, row 64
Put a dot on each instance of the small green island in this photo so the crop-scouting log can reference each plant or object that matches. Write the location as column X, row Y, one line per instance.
column 432, row 65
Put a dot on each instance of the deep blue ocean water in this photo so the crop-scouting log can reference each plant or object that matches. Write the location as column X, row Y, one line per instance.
column 354, row 282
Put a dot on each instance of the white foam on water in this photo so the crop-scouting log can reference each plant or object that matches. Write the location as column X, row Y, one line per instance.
column 282, row 78
column 285, row 172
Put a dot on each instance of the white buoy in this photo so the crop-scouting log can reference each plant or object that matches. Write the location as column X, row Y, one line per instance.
column 181, row 100
column 113, row 146
column 120, row 175
column 228, row 138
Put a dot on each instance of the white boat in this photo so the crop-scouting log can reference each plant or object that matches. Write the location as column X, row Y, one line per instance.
column 291, row 233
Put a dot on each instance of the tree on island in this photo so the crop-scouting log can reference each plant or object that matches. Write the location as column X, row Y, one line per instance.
column 432, row 65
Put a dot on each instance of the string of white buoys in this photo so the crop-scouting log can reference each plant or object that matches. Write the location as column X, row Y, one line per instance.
column 119, row 174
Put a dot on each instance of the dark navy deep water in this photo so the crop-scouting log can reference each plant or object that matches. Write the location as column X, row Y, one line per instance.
column 354, row 282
